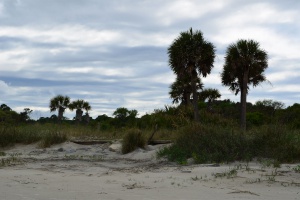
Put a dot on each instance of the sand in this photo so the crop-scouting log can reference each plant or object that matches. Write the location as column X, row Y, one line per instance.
column 73, row 171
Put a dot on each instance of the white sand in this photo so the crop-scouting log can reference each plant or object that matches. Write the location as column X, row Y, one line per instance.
column 73, row 171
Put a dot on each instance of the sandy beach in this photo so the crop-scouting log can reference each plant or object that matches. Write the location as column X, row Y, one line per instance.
column 73, row 171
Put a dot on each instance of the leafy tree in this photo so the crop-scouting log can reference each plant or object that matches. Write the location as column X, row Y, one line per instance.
column 190, row 55
column 275, row 105
column 4, row 107
column 291, row 116
column 244, row 65
column 103, row 117
column 60, row 103
column 25, row 114
column 181, row 90
column 80, row 105
column 9, row 117
column 123, row 115
column 103, row 122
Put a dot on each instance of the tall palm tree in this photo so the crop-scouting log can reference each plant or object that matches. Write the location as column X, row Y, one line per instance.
column 244, row 65
column 191, row 55
column 60, row 103
column 181, row 91
column 80, row 105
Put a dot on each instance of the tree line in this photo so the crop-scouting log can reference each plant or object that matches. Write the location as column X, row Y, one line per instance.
column 260, row 113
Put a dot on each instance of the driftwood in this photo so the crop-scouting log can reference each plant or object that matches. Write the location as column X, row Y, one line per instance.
column 155, row 142
column 90, row 142
column 150, row 138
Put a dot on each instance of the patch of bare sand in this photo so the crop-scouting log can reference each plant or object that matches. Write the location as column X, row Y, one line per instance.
column 73, row 171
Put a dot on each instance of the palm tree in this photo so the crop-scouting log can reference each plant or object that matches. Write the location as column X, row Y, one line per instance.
column 190, row 55
column 80, row 105
column 209, row 94
column 245, row 63
column 181, row 91
column 60, row 103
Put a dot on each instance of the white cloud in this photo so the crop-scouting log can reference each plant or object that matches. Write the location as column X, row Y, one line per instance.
column 166, row 78
column 258, row 14
column 71, row 35
column 4, row 88
column 14, row 60
column 286, row 88
column 186, row 9
column 1, row 9
column 283, row 75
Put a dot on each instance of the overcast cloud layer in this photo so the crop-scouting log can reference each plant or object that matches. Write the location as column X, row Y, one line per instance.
column 114, row 53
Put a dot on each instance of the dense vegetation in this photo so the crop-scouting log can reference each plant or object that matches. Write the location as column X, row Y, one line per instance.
column 273, row 131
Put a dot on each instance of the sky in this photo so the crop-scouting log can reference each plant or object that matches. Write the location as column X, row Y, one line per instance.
column 114, row 53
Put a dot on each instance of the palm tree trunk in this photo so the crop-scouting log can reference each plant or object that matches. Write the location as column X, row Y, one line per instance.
column 195, row 98
column 60, row 114
column 78, row 115
column 187, row 99
column 244, row 102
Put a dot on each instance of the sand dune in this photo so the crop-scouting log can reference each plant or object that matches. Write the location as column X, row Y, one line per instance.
column 74, row 171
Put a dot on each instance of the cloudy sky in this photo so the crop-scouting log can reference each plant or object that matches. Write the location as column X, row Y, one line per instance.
column 113, row 53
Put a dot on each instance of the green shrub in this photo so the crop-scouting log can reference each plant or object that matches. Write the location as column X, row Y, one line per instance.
column 173, row 153
column 49, row 138
column 132, row 140
column 207, row 143
column 255, row 118
column 297, row 169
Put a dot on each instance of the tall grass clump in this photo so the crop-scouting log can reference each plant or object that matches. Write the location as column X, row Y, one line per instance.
column 132, row 140
column 8, row 136
column 49, row 138
column 25, row 135
column 277, row 142
column 31, row 134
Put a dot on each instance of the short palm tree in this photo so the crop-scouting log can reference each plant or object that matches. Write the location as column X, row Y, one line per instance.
column 244, row 65
column 209, row 94
column 60, row 103
column 181, row 91
column 80, row 105
column 190, row 55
